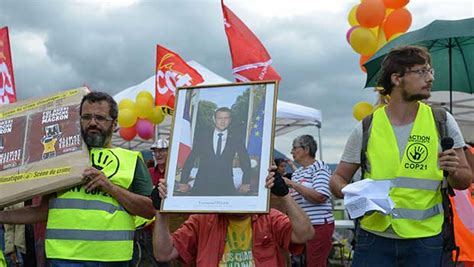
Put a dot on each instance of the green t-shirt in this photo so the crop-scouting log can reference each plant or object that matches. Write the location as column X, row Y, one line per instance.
column 238, row 245
column 141, row 183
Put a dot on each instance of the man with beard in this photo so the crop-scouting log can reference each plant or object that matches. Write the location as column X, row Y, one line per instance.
column 93, row 225
column 403, row 147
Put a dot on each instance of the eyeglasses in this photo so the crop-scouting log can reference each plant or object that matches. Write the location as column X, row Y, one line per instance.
column 159, row 150
column 97, row 118
column 296, row 147
column 422, row 72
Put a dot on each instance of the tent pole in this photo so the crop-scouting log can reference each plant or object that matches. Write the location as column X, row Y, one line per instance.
column 320, row 144
column 450, row 47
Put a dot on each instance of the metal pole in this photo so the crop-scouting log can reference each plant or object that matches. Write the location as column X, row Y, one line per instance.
column 450, row 46
column 320, row 143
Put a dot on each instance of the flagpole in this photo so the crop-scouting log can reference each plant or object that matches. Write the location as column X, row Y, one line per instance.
column 320, row 143
column 249, row 114
column 195, row 106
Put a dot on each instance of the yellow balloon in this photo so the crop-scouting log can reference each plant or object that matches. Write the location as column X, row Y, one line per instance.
column 375, row 30
column 361, row 110
column 127, row 118
column 146, row 95
column 157, row 115
column 143, row 107
column 126, row 103
column 363, row 41
column 352, row 16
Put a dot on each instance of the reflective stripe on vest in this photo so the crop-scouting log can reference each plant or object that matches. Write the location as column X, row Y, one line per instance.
column 93, row 226
column 91, row 235
column 414, row 183
column 398, row 213
column 416, row 177
column 61, row 203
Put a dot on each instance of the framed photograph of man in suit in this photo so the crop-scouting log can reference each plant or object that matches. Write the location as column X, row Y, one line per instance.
column 221, row 148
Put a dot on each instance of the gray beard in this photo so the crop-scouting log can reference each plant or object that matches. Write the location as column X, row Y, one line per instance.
column 95, row 140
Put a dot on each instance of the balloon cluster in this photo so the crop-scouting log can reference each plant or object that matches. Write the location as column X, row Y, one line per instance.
column 139, row 117
column 374, row 23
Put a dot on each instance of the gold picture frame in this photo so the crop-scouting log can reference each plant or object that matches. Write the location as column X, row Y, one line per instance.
column 221, row 148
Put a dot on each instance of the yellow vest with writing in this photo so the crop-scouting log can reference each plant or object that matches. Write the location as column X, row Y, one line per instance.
column 93, row 226
column 416, row 179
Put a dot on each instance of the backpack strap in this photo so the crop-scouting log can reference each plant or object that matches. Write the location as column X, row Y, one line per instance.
column 440, row 118
column 366, row 122
column 449, row 245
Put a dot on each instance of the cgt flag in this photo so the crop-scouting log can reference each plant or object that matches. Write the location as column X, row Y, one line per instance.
column 250, row 59
column 7, row 82
column 172, row 72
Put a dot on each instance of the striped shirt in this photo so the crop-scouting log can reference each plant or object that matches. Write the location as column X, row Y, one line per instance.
column 315, row 176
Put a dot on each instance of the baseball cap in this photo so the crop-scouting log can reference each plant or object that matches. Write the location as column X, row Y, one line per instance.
column 160, row 143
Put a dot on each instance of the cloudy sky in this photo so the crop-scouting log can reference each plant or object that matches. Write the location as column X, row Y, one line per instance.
column 110, row 45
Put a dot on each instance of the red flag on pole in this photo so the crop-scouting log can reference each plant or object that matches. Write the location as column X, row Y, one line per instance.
column 7, row 81
column 250, row 59
column 172, row 72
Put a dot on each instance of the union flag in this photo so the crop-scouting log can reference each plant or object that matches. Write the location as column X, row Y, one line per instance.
column 250, row 59
column 7, row 81
column 172, row 72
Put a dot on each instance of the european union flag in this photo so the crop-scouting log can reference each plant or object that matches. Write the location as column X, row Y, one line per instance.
column 255, row 139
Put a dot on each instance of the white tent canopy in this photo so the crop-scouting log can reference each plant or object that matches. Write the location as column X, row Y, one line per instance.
column 290, row 116
column 463, row 110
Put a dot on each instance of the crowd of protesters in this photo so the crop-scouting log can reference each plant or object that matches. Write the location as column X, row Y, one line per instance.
column 125, row 227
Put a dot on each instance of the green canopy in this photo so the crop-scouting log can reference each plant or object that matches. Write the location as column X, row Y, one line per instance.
column 451, row 44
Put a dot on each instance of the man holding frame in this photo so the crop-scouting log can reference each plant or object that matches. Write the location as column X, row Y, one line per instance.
column 228, row 239
column 215, row 154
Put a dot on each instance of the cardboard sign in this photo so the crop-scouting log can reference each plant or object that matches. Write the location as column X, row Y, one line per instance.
column 41, row 148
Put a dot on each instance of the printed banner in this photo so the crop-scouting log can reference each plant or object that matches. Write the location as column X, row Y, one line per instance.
column 11, row 142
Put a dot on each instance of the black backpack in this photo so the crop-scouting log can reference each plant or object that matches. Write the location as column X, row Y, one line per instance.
column 439, row 114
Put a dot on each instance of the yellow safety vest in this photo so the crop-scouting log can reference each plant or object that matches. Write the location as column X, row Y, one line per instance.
column 416, row 179
column 93, row 226
column 2, row 260
column 142, row 222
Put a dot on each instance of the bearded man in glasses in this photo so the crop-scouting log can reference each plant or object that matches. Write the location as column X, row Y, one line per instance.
column 403, row 146
column 93, row 224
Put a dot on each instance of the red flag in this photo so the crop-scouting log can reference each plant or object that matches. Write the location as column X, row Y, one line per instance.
column 7, row 82
column 172, row 72
column 250, row 59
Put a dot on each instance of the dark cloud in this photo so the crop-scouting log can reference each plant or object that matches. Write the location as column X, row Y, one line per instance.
column 112, row 49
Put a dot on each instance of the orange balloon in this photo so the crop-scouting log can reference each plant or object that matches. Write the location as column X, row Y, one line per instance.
column 362, row 61
column 395, row 3
column 398, row 21
column 370, row 13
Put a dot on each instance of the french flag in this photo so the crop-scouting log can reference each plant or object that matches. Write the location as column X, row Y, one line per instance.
column 185, row 143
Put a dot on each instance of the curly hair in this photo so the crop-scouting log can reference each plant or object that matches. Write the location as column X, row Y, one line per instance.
column 399, row 60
